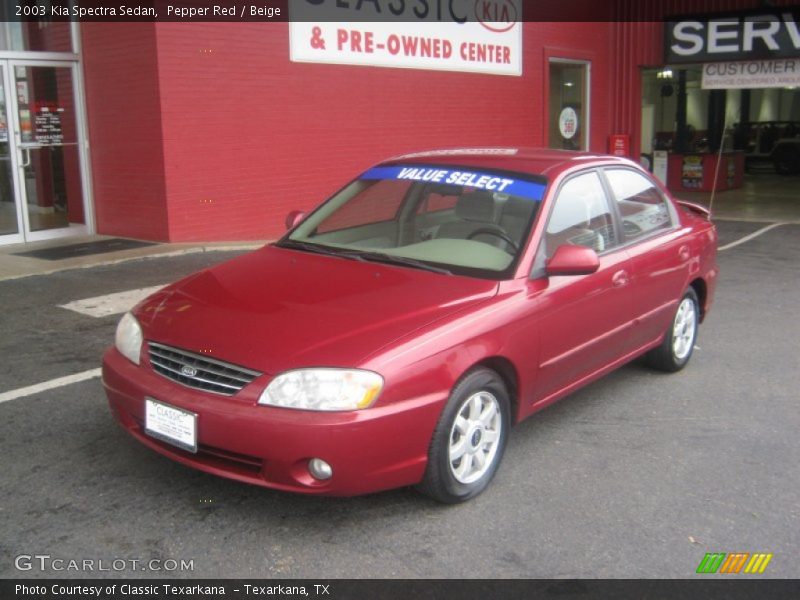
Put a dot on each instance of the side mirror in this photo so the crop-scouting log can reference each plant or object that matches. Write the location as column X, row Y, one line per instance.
column 572, row 260
column 294, row 218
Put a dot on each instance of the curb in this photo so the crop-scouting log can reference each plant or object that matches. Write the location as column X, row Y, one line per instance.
column 180, row 252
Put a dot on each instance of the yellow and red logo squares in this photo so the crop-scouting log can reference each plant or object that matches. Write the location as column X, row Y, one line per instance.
column 732, row 563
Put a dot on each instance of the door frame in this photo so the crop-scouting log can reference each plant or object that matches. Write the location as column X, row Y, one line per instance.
column 24, row 233
column 555, row 56
column 11, row 238
column 9, row 60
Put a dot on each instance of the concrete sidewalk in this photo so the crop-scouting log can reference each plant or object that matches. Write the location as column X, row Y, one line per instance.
column 13, row 266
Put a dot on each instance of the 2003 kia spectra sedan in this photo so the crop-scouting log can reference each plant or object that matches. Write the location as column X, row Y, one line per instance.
column 396, row 333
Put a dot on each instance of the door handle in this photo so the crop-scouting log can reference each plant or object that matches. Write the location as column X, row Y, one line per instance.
column 26, row 153
column 620, row 278
column 684, row 253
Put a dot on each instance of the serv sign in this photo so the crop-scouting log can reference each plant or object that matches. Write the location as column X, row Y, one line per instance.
column 482, row 37
column 745, row 35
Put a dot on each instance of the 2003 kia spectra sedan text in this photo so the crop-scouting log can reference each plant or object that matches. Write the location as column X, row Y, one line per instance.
column 396, row 333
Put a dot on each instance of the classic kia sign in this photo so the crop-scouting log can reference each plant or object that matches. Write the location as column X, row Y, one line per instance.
column 483, row 36
column 768, row 34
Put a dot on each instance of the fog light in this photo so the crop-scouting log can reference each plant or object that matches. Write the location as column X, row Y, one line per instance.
column 319, row 469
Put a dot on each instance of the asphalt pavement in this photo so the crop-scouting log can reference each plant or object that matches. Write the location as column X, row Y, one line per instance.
column 636, row 476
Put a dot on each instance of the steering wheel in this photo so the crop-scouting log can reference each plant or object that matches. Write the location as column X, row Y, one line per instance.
column 496, row 233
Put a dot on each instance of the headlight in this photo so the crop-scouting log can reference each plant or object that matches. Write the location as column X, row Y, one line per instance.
column 129, row 338
column 323, row 389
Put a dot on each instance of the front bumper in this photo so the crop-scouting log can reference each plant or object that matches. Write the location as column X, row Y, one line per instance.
column 369, row 450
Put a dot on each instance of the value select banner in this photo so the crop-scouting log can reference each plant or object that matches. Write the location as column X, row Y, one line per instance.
column 482, row 37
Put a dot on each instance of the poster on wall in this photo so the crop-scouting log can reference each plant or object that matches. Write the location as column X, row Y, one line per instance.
column 568, row 123
column 47, row 125
column 692, row 172
column 480, row 37
column 25, row 126
column 22, row 92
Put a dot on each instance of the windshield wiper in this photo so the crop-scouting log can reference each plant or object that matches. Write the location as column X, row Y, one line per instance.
column 317, row 249
column 393, row 259
column 362, row 255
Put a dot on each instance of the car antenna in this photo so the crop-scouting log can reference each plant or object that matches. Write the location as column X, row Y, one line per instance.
column 716, row 171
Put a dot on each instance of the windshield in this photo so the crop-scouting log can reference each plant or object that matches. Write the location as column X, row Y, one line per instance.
column 447, row 219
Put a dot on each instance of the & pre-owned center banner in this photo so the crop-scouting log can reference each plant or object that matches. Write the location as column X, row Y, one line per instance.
column 455, row 35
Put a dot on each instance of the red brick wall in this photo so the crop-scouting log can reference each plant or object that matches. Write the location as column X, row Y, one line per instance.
column 249, row 135
column 208, row 132
column 124, row 122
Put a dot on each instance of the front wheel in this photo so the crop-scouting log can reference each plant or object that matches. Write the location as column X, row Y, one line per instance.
column 469, row 439
column 678, row 343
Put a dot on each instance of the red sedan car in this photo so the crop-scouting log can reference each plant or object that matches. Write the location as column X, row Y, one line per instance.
column 396, row 333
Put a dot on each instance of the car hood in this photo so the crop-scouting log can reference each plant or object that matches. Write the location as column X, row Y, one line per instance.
column 276, row 309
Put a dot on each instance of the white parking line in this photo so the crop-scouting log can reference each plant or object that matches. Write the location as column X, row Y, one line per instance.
column 749, row 237
column 48, row 385
column 110, row 304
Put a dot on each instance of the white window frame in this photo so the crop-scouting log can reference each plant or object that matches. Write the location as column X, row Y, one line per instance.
column 587, row 93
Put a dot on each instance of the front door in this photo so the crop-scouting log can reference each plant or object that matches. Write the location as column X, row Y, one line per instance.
column 585, row 320
column 41, row 176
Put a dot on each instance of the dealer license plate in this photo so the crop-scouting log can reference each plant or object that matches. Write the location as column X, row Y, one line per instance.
column 170, row 424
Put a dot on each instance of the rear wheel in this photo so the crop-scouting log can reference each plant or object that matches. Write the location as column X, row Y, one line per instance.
column 469, row 439
column 678, row 343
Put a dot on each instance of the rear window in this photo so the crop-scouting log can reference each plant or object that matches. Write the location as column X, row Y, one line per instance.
column 641, row 205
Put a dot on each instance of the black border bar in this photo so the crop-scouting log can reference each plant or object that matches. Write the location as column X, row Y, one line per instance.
column 98, row 11
column 345, row 589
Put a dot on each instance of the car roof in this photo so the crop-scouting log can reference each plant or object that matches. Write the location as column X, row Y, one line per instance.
column 534, row 161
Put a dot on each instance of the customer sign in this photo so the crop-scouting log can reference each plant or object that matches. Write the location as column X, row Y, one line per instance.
column 752, row 74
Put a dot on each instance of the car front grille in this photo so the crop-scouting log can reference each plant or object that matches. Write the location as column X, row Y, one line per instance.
column 199, row 372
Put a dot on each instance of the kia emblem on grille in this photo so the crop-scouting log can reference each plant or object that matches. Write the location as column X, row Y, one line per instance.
column 188, row 371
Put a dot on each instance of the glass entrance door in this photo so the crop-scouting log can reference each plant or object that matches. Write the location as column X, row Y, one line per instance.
column 41, row 181
column 10, row 219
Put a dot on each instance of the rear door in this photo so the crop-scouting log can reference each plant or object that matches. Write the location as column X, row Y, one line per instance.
column 660, row 253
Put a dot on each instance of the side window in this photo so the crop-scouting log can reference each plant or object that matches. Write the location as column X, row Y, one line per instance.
column 581, row 216
column 642, row 207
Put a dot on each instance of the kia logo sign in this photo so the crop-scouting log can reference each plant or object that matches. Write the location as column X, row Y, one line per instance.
column 188, row 371
column 496, row 15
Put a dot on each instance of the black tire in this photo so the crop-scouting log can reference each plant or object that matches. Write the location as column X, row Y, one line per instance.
column 455, row 480
column 678, row 344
